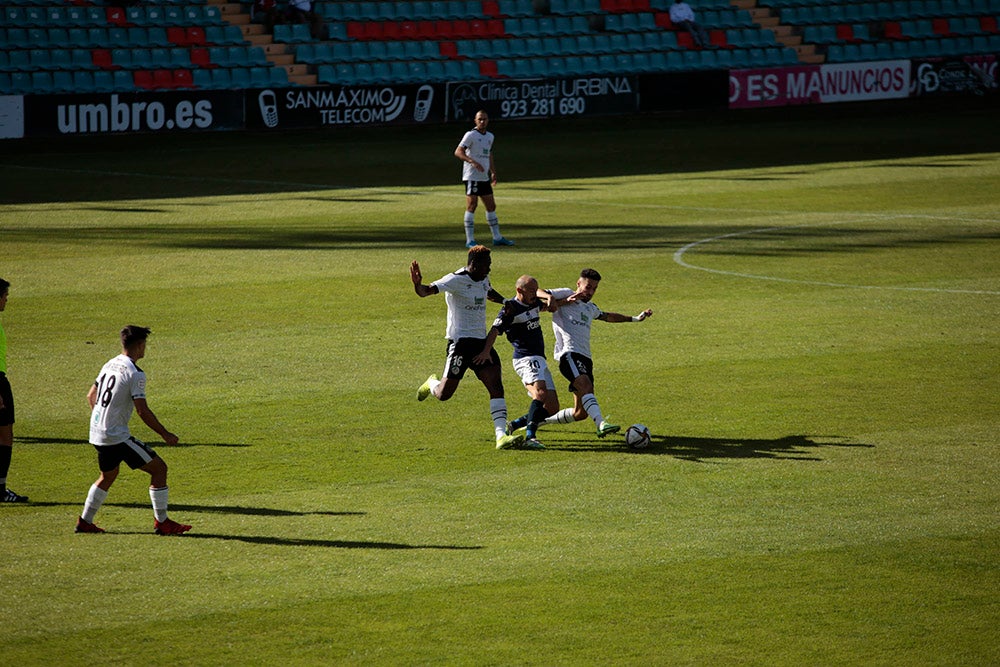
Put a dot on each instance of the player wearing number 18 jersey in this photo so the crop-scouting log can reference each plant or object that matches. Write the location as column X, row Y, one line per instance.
column 120, row 387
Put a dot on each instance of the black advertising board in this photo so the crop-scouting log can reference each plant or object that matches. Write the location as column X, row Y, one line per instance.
column 123, row 113
column 543, row 98
column 968, row 75
column 344, row 106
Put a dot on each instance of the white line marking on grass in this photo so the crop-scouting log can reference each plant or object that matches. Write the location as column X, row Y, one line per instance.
column 679, row 259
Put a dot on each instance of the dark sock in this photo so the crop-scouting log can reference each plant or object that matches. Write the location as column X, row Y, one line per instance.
column 536, row 415
column 5, row 453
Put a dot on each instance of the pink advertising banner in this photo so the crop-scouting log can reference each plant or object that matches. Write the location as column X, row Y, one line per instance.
column 819, row 84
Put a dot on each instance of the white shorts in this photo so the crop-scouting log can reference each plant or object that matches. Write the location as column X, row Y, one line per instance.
column 532, row 370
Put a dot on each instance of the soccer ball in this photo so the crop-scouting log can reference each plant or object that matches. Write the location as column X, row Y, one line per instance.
column 637, row 436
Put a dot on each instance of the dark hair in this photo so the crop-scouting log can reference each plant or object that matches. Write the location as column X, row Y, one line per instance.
column 133, row 334
column 591, row 274
column 478, row 254
column 4, row 286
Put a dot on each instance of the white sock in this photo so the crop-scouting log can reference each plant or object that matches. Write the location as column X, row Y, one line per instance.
column 433, row 384
column 589, row 402
column 498, row 410
column 494, row 223
column 470, row 221
column 159, row 498
column 95, row 498
column 564, row 416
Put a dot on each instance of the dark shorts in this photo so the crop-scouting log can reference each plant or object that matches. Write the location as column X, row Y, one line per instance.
column 7, row 412
column 573, row 365
column 462, row 352
column 478, row 188
column 132, row 452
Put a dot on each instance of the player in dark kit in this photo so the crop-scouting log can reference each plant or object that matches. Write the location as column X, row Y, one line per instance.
column 519, row 320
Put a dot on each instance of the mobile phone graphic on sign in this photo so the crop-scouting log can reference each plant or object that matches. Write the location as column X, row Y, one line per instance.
column 269, row 108
column 425, row 95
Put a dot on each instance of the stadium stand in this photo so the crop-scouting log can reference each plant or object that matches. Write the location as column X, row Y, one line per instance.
column 56, row 46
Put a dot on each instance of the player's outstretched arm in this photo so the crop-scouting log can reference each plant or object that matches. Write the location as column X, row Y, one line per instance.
column 618, row 317
column 418, row 281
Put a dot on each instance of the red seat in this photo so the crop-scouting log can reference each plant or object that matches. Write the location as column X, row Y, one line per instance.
column 443, row 29
column 116, row 16
column 685, row 40
column 372, row 30
column 425, row 30
column 176, row 35
column 488, row 68
column 718, row 38
column 478, row 28
column 988, row 24
column 893, row 30
column 448, row 50
column 494, row 28
column 355, row 30
column 102, row 58
column 408, row 30
column 941, row 27
column 143, row 79
column 391, row 31
column 196, row 36
column 183, row 79
column 461, row 29
column 662, row 19
column 491, row 9
column 201, row 58
column 163, row 78
column 845, row 33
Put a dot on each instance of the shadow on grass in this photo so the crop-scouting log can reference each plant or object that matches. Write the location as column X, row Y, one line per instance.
column 703, row 450
column 41, row 440
column 333, row 544
column 793, row 241
column 212, row 509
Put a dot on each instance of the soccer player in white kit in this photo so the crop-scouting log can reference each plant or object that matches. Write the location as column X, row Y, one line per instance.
column 120, row 387
column 466, row 293
column 571, row 322
column 479, row 174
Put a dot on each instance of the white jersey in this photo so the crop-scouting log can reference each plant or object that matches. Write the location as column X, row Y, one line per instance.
column 571, row 324
column 466, row 299
column 478, row 146
column 119, row 383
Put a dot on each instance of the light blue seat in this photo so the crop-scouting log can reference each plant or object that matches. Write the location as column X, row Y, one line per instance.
column 41, row 83
column 326, row 74
column 240, row 78
column 83, row 81
column 202, row 78
column 260, row 77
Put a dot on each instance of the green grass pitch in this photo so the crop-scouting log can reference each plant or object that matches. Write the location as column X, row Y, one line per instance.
column 820, row 376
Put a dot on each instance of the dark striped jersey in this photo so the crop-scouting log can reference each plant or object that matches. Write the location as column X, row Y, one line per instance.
column 521, row 324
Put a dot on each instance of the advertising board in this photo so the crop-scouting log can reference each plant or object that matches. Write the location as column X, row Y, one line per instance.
column 819, row 84
column 543, row 98
column 344, row 106
column 121, row 113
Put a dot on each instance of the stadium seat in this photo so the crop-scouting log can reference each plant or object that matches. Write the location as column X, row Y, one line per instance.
column 222, row 79
column 121, row 81
column 83, row 81
column 163, row 79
